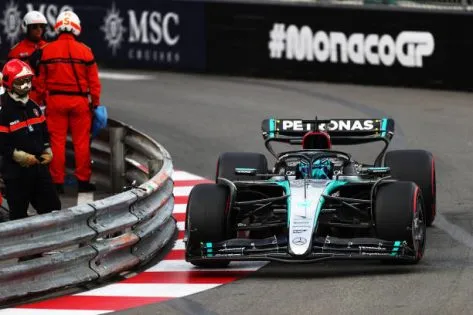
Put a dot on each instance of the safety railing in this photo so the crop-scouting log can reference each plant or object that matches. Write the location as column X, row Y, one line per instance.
column 100, row 239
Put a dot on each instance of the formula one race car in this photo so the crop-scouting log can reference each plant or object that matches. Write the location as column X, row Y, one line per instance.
column 316, row 203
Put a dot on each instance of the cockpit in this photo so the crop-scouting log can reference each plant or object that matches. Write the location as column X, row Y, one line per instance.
column 316, row 160
column 314, row 164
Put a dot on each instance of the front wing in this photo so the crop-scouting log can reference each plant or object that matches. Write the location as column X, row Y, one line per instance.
column 323, row 248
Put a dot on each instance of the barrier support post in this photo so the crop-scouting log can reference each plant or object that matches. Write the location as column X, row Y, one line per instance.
column 154, row 166
column 117, row 159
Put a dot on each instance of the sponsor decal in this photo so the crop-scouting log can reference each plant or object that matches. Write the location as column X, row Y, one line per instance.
column 11, row 21
column 113, row 29
column 299, row 241
column 408, row 48
column 148, row 35
column 12, row 17
column 334, row 125
column 242, row 170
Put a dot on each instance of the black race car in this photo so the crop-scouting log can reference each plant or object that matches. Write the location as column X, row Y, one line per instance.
column 315, row 203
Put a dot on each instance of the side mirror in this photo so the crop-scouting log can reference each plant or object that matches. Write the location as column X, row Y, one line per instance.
column 245, row 171
column 376, row 170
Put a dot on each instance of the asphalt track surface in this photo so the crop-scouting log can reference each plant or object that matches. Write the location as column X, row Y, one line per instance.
column 198, row 117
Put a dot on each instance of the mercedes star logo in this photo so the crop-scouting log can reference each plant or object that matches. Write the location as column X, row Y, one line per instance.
column 299, row 241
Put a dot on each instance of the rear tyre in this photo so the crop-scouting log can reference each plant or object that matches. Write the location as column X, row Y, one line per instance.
column 206, row 221
column 399, row 215
column 417, row 166
column 228, row 161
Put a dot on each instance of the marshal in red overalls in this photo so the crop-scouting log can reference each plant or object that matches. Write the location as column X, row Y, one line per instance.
column 68, row 78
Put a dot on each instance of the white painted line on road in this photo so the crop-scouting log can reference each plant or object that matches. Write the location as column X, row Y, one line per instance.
column 183, row 175
column 182, row 265
column 123, row 76
column 180, row 208
column 149, row 289
column 182, row 191
column 36, row 311
column 455, row 231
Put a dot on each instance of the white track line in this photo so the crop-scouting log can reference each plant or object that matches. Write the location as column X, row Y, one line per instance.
column 456, row 232
column 182, row 175
column 183, row 190
column 149, row 289
column 28, row 311
column 179, row 245
column 182, row 265
column 123, row 76
column 179, row 208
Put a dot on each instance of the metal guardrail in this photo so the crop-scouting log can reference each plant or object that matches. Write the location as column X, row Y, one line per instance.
column 96, row 240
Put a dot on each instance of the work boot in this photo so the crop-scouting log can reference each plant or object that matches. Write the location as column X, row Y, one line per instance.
column 60, row 189
column 86, row 186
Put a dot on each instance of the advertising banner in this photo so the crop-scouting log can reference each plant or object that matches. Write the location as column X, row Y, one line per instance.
column 349, row 43
column 138, row 34
column 359, row 44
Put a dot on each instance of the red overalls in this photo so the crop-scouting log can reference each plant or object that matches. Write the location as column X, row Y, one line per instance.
column 23, row 51
column 68, row 76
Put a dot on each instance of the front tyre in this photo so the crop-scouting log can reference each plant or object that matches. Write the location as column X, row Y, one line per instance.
column 417, row 166
column 206, row 221
column 399, row 215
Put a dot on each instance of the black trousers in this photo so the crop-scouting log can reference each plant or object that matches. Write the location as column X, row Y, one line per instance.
column 33, row 185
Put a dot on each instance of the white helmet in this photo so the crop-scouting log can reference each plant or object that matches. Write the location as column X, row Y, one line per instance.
column 33, row 17
column 68, row 21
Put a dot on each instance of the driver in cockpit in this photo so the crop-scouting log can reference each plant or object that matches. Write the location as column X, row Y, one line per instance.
column 321, row 169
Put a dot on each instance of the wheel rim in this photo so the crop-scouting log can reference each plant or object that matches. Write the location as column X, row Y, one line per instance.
column 419, row 229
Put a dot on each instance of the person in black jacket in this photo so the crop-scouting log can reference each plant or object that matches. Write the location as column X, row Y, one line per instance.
column 24, row 146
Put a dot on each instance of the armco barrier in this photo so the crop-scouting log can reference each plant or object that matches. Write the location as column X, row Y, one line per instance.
column 100, row 239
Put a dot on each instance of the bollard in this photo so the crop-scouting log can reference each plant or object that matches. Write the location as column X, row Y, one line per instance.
column 117, row 159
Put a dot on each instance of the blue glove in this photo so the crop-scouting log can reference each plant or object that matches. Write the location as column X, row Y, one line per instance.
column 100, row 120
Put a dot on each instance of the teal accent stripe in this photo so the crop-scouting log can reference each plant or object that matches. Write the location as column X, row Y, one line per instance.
column 285, row 185
column 384, row 127
column 397, row 244
column 331, row 186
column 272, row 127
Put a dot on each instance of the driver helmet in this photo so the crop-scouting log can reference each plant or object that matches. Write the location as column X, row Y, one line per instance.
column 321, row 169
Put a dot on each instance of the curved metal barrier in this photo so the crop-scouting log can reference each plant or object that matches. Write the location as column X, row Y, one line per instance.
column 97, row 240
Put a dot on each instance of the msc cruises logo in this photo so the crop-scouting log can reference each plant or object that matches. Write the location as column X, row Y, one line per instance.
column 113, row 29
column 149, row 35
column 11, row 21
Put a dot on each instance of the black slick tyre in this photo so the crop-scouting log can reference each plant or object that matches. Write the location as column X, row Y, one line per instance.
column 206, row 221
column 417, row 166
column 399, row 216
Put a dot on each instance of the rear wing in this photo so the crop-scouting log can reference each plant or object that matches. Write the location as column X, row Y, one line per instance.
column 341, row 131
